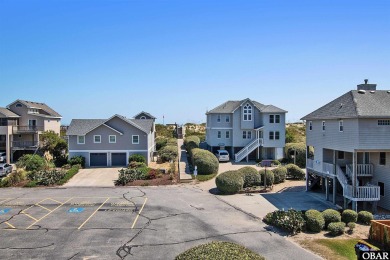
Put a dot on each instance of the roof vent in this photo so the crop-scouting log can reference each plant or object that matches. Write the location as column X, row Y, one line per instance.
column 372, row 91
column 361, row 91
column 366, row 81
column 366, row 86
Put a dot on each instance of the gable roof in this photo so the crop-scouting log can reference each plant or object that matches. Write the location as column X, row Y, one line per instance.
column 84, row 126
column 371, row 104
column 43, row 106
column 145, row 113
column 231, row 105
column 4, row 112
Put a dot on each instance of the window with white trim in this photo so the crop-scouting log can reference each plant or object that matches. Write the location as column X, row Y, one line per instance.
column 112, row 139
column 246, row 135
column 218, row 118
column 310, row 125
column 271, row 119
column 277, row 135
column 277, row 119
column 341, row 126
column 271, row 135
column 384, row 122
column 81, row 139
column 135, row 139
column 97, row 139
column 323, row 125
column 227, row 134
column 227, row 119
column 219, row 134
column 247, row 113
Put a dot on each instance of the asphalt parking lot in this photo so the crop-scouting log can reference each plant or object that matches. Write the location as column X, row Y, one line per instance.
column 127, row 223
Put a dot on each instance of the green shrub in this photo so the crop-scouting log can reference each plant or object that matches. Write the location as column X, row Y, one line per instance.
column 331, row 215
column 291, row 220
column 351, row 226
column 218, row 250
column 30, row 184
column 13, row 178
column 336, row 228
column 314, row 220
column 349, row 216
column 134, row 165
column 250, row 176
column 168, row 153
column 161, row 142
column 77, row 160
column 279, row 174
column 365, row 217
column 191, row 142
column 276, row 163
column 294, row 172
column 269, row 177
column 299, row 149
column 47, row 177
column 172, row 141
column 229, row 182
column 129, row 175
column 31, row 162
column 137, row 158
column 205, row 161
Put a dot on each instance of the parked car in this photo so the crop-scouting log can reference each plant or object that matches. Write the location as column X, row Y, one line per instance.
column 222, row 155
column 5, row 169
column 3, row 157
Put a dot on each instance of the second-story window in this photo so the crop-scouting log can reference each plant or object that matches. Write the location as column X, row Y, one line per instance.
column 271, row 135
column 277, row 119
column 384, row 122
column 323, row 125
column 97, row 139
column 341, row 126
column 272, row 119
column 80, row 139
column 219, row 134
column 227, row 134
column 310, row 125
column 382, row 158
column 246, row 135
column 218, row 118
column 247, row 112
column 227, row 119
column 277, row 135
column 135, row 139
column 112, row 139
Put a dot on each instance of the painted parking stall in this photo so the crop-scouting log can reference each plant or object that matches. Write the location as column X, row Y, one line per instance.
column 75, row 213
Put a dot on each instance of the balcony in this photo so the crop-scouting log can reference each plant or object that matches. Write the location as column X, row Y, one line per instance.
column 362, row 193
column 19, row 129
column 24, row 144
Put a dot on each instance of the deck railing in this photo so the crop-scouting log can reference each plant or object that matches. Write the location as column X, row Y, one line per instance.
column 362, row 193
column 24, row 144
column 341, row 177
column 328, row 168
column 365, row 170
column 248, row 149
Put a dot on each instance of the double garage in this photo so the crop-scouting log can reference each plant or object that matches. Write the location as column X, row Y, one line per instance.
column 107, row 159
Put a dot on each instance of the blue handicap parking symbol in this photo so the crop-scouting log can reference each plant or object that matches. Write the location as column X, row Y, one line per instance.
column 75, row 210
column 3, row 211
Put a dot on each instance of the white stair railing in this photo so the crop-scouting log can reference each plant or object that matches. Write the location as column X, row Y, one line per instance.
column 341, row 177
column 248, row 149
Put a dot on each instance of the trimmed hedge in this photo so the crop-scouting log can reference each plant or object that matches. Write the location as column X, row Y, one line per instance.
column 205, row 161
column 168, row 153
column 336, row 228
column 291, row 220
column 229, row 182
column 294, row 172
column 300, row 150
column 269, row 177
column 191, row 142
column 349, row 216
column 250, row 176
column 314, row 220
column 137, row 158
column 218, row 250
column 365, row 217
column 330, row 216
column 77, row 160
column 280, row 174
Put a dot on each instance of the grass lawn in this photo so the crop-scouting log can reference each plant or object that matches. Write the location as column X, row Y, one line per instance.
column 204, row 177
column 333, row 248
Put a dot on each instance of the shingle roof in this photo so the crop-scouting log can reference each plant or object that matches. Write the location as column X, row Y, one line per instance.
column 38, row 105
column 4, row 112
column 146, row 113
column 83, row 126
column 231, row 105
column 143, row 124
column 355, row 105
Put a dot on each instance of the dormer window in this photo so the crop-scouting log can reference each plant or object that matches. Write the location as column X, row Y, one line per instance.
column 247, row 112
column 33, row 111
column 18, row 105
column 142, row 117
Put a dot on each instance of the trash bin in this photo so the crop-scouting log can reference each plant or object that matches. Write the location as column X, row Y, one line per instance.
column 361, row 247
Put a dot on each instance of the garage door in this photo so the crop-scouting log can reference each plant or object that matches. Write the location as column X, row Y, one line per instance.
column 98, row 159
column 118, row 159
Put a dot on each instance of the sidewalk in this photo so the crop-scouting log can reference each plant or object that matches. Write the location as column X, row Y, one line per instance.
column 183, row 163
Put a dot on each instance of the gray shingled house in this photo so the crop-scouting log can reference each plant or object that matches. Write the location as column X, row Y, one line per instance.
column 247, row 129
column 110, row 142
column 350, row 137
column 21, row 124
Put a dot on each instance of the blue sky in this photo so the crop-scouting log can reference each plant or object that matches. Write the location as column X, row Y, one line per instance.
column 92, row 59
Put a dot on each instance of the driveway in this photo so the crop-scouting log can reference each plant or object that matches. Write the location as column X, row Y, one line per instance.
column 94, row 177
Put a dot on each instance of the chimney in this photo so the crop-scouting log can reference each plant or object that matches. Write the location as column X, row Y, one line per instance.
column 366, row 86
